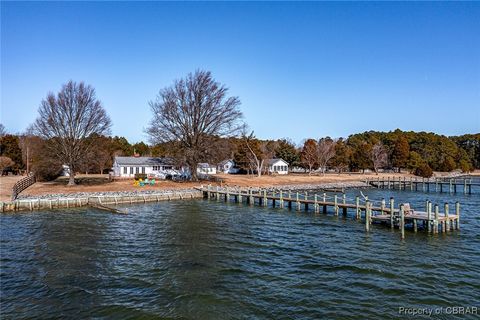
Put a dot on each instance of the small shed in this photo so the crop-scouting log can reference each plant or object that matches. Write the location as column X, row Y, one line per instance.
column 227, row 166
column 206, row 168
column 278, row 166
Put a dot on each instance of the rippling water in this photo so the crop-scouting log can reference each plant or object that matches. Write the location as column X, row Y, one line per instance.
column 211, row 260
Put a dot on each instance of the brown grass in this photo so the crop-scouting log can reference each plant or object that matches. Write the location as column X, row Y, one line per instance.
column 6, row 185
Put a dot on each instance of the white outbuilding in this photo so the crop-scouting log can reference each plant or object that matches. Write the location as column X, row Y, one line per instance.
column 227, row 166
column 278, row 166
column 206, row 168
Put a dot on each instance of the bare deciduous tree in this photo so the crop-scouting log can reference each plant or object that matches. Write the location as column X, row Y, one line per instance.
column 254, row 154
column 191, row 112
column 68, row 119
column 309, row 155
column 325, row 152
column 379, row 156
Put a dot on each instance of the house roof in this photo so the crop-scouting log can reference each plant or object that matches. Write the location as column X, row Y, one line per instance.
column 273, row 161
column 143, row 161
column 224, row 162
column 205, row 165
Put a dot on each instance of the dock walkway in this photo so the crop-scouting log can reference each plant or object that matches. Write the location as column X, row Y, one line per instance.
column 365, row 210
column 451, row 185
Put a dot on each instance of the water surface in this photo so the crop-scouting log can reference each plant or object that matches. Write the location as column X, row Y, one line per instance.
column 210, row 260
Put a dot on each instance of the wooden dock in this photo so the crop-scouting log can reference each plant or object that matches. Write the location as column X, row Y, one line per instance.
column 450, row 185
column 365, row 210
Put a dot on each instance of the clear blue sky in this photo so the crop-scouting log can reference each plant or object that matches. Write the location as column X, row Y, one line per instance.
column 300, row 69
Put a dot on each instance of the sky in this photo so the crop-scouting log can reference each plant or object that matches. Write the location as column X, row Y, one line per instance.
column 301, row 70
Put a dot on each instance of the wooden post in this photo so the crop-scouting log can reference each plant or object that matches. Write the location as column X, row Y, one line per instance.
column 265, row 201
column 411, row 184
column 392, row 212
column 336, row 204
column 457, row 213
column 315, row 205
column 239, row 198
column 415, row 227
column 367, row 213
column 388, row 182
column 290, row 194
column 423, row 184
column 305, row 202
column 324, row 203
column 298, row 203
column 357, row 207
column 429, row 216
column 227, row 195
column 465, row 186
column 450, row 185
column 447, row 220
column 344, row 200
column 382, row 206
column 435, row 222
column 402, row 221
column 281, row 199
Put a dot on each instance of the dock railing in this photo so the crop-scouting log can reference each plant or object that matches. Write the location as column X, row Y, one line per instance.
column 22, row 184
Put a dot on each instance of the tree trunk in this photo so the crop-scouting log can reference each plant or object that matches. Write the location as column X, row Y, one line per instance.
column 193, row 171
column 71, row 178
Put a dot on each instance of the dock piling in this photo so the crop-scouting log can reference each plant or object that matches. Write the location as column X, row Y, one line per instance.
column 402, row 221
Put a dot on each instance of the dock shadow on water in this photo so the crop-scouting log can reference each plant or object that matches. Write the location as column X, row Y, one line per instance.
column 201, row 259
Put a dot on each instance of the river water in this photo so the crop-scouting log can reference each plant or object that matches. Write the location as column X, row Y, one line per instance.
column 204, row 259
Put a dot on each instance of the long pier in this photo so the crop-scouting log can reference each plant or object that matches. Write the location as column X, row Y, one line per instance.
column 450, row 185
column 365, row 210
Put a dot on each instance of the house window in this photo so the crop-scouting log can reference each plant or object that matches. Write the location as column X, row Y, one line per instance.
column 131, row 170
column 124, row 170
column 143, row 169
column 137, row 169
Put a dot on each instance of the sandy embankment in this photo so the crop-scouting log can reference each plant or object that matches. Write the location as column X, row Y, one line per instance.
column 300, row 180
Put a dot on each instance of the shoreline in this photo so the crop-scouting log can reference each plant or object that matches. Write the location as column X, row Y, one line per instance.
column 30, row 202
column 62, row 201
column 35, row 201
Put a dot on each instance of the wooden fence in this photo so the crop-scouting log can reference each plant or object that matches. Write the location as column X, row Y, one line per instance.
column 21, row 185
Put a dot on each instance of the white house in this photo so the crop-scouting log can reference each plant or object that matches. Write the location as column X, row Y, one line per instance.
column 205, row 168
column 127, row 167
column 278, row 166
column 227, row 166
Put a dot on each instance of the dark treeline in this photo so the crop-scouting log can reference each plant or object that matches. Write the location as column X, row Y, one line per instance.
column 418, row 152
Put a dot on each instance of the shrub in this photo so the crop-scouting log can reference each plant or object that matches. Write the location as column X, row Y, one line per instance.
column 139, row 176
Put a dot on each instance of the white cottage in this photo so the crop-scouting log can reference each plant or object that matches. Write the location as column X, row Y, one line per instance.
column 127, row 167
column 227, row 166
column 205, row 168
column 278, row 166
